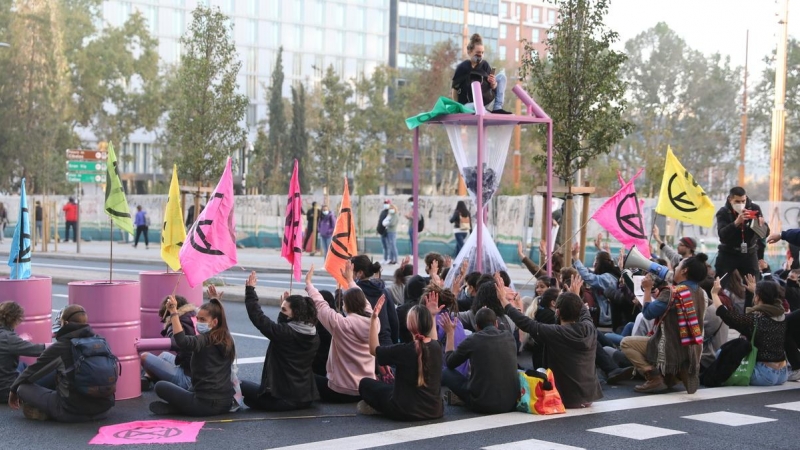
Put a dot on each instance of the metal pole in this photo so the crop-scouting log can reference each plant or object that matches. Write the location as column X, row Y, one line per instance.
column 415, row 207
column 548, row 201
column 78, row 222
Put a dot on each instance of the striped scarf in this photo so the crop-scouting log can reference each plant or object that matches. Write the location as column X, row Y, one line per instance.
column 688, row 325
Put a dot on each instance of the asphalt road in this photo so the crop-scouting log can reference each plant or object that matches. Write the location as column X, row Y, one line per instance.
column 761, row 424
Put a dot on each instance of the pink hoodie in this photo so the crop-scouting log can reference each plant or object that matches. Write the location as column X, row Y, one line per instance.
column 349, row 360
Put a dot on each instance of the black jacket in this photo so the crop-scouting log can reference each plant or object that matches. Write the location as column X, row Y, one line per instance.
column 373, row 288
column 211, row 368
column 11, row 348
column 730, row 236
column 58, row 357
column 287, row 368
column 182, row 358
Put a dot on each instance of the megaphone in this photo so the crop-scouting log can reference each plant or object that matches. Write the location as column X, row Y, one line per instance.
column 635, row 260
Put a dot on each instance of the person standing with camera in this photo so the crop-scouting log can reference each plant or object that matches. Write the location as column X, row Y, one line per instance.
column 739, row 223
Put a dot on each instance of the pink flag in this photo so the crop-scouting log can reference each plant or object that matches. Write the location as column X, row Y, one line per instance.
column 210, row 245
column 148, row 432
column 292, row 246
column 621, row 216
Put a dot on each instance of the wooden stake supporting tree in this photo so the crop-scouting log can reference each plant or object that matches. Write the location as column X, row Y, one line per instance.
column 567, row 221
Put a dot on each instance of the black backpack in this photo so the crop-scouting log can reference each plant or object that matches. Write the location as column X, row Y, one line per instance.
column 382, row 229
column 95, row 369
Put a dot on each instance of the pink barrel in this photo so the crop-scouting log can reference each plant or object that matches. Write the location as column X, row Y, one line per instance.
column 113, row 310
column 155, row 286
column 35, row 295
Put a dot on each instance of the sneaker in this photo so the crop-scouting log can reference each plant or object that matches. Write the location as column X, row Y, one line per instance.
column 617, row 375
column 364, row 409
column 33, row 413
column 452, row 399
column 235, row 406
column 161, row 408
column 794, row 375
column 500, row 111
column 147, row 384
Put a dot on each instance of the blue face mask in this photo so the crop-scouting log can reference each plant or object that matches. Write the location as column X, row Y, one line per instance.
column 203, row 328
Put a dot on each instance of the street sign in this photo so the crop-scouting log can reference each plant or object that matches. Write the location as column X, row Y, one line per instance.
column 86, row 166
column 86, row 155
column 85, row 178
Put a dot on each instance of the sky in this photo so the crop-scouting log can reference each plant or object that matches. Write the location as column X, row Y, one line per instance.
column 709, row 25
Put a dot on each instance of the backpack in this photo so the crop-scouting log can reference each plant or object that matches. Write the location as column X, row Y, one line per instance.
column 382, row 229
column 95, row 368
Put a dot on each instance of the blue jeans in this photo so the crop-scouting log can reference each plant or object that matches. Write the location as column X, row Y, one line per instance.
column 457, row 383
column 499, row 98
column 764, row 375
column 616, row 339
column 391, row 238
column 460, row 238
column 163, row 368
column 410, row 239
column 326, row 243
column 385, row 245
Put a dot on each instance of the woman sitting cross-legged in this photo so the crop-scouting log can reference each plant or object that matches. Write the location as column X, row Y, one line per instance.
column 767, row 320
column 213, row 352
column 287, row 382
column 173, row 367
column 349, row 359
column 415, row 394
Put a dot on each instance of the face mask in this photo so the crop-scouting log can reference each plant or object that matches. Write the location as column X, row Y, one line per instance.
column 410, row 204
column 476, row 59
column 203, row 327
column 738, row 207
column 385, row 206
column 325, row 213
column 391, row 211
column 282, row 318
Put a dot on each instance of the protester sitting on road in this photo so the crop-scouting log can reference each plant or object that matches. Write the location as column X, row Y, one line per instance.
column 605, row 275
column 492, row 386
column 411, row 296
column 544, row 312
column 364, row 271
column 686, row 248
column 173, row 367
column 324, row 349
column 570, row 347
column 765, row 319
column 12, row 346
column 213, row 353
column 349, row 360
column 487, row 297
column 673, row 351
column 401, row 276
column 442, row 301
column 73, row 400
column 287, row 382
column 415, row 394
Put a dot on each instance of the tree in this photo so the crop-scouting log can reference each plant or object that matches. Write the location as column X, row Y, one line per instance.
column 334, row 151
column 678, row 98
column 298, row 137
column 273, row 161
column 578, row 85
column 764, row 102
column 203, row 129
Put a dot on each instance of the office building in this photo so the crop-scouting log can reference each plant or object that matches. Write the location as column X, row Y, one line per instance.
column 524, row 19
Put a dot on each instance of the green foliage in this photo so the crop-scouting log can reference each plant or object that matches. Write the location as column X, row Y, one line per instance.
column 763, row 104
column 681, row 98
column 579, row 87
column 298, row 137
column 203, row 125
column 274, row 164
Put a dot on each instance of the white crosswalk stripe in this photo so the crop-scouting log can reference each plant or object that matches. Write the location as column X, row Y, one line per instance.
column 730, row 419
column 791, row 406
column 637, row 431
column 532, row 444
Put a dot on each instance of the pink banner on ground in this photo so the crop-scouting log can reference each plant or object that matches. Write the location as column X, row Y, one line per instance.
column 148, row 432
column 210, row 245
column 292, row 245
column 621, row 216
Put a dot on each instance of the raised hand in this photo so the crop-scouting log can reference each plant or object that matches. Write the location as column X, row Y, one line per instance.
column 598, row 241
column 347, row 272
column 448, row 261
column 520, row 250
column 575, row 285
column 405, row 261
column 447, row 325
column 212, row 292
column 378, row 307
column 647, row 283
column 432, row 303
column 252, row 280
column 656, row 234
column 717, row 286
column 464, row 267
column 576, row 250
column 310, row 275
column 751, row 283
column 762, row 265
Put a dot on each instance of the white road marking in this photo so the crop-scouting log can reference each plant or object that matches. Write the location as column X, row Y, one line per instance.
column 251, row 336
column 253, row 360
column 637, row 431
column 791, row 406
column 728, row 418
column 61, row 295
column 532, row 444
column 476, row 424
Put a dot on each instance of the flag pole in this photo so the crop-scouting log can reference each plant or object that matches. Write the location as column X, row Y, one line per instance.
column 291, row 279
column 110, row 249
column 175, row 289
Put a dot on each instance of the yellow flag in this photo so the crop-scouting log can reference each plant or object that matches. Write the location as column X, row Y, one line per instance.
column 172, row 232
column 116, row 206
column 682, row 197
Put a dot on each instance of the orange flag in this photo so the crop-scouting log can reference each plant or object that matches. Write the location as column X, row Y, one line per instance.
column 343, row 244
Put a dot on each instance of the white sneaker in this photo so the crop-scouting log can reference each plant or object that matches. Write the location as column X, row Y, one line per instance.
column 794, row 375
column 364, row 409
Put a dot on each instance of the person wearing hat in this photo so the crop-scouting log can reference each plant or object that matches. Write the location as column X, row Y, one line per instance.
column 381, row 229
column 686, row 248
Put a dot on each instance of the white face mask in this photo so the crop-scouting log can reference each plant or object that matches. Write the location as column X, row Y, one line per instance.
column 203, row 327
column 738, row 207
column 325, row 213
column 385, row 206
column 391, row 211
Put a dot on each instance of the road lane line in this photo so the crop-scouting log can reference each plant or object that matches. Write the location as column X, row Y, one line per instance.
column 251, row 336
column 253, row 360
column 476, row 424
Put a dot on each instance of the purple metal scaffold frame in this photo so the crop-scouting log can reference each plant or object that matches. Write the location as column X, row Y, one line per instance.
column 482, row 120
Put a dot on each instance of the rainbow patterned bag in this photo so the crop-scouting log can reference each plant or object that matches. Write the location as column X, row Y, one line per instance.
column 538, row 395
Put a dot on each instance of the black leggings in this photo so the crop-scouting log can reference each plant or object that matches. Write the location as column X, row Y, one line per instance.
column 48, row 402
column 328, row 395
column 266, row 402
column 187, row 403
column 792, row 339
